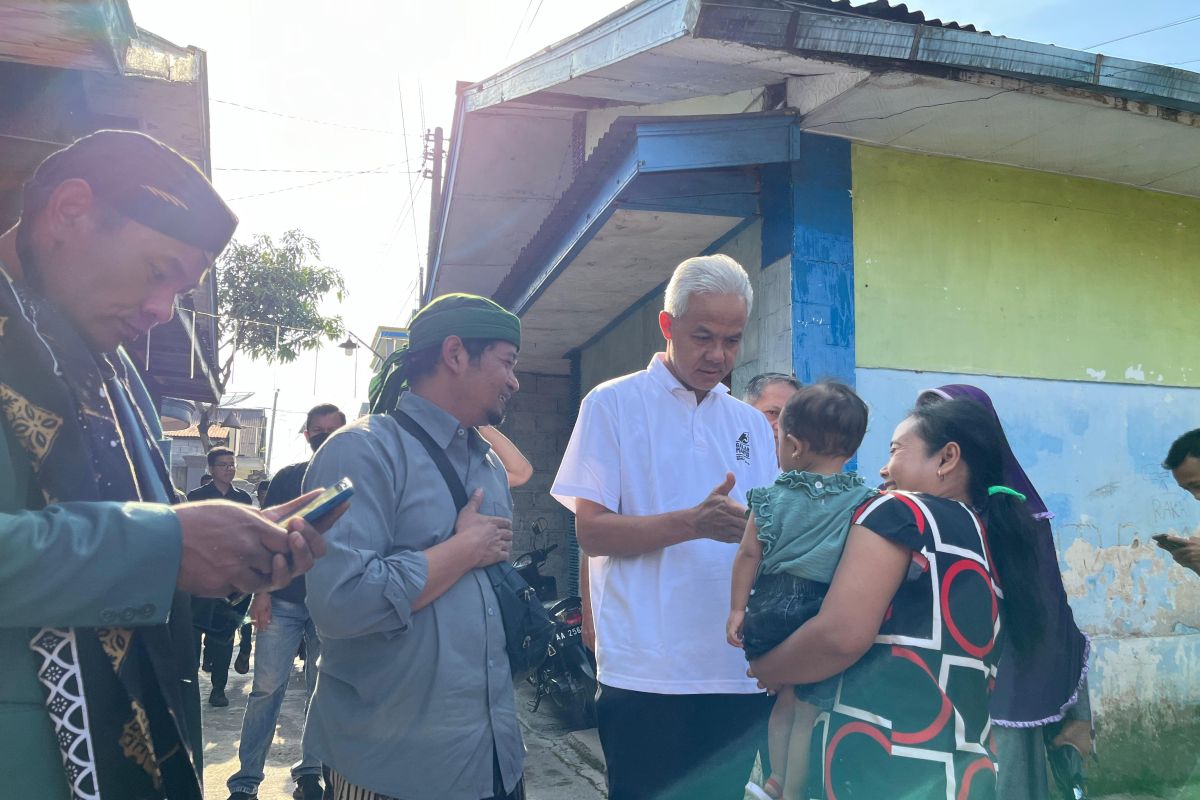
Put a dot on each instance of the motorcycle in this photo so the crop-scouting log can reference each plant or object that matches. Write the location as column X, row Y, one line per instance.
column 568, row 674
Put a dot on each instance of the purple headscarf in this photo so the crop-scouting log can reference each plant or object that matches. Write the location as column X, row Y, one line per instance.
column 1014, row 476
column 1038, row 689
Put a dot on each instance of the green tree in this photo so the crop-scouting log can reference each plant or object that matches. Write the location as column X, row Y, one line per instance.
column 279, row 287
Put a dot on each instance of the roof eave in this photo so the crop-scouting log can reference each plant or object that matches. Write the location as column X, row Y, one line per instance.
column 643, row 26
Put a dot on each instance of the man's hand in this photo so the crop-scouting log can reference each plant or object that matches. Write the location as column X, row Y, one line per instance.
column 588, row 632
column 1078, row 733
column 305, row 540
column 719, row 517
column 230, row 548
column 260, row 611
column 489, row 538
column 733, row 627
column 1186, row 552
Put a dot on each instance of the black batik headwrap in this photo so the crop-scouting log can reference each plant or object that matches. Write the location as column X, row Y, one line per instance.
column 113, row 694
column 146, row 181
column 466, row 316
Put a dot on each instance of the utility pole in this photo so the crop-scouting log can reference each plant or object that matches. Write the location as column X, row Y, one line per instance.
column 271, row 438
column 435, row 193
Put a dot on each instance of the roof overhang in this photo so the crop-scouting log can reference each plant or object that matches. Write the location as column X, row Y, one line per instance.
column 656, row 191
column 657, row 51
column 524, row 210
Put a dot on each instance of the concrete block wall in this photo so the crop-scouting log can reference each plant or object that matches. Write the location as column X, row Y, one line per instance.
column 539, row 423
column 767, row 346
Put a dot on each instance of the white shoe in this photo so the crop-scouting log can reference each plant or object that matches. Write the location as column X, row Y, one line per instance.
column 756, row 792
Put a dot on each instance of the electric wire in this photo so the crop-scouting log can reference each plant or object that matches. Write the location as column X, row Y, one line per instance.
column 305, row 119
column 376, row 171
column 1164, row 26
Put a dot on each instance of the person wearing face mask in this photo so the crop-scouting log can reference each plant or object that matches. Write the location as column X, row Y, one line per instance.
column 283, row 623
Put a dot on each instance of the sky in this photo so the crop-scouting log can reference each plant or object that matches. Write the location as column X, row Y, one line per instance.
column 318, row 110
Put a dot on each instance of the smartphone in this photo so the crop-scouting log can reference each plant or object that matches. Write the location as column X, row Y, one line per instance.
column 327, row 501
column 1164, row 541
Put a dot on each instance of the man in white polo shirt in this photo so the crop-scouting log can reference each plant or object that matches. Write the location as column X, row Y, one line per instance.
column 656, row 472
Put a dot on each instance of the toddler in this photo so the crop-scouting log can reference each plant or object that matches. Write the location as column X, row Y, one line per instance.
column 793, row 540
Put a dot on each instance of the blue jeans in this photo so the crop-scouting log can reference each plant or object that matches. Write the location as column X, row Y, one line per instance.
column 779, row 604
column 273, row 659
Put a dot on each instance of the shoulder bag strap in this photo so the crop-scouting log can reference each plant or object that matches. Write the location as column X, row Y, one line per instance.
column 453, row 482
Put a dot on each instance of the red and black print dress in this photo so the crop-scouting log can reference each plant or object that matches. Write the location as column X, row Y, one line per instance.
column 911, row 717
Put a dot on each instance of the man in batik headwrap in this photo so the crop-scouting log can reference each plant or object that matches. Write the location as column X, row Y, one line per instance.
column 415, row 696
column 98, row 697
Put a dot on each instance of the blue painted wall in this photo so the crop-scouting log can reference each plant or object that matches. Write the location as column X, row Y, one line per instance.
column 822, row 260
column 1094, row 452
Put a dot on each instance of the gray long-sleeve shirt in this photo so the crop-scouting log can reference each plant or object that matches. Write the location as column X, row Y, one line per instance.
column 410, row 705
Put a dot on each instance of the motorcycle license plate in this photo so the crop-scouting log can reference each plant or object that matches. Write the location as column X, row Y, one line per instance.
column 570, row 633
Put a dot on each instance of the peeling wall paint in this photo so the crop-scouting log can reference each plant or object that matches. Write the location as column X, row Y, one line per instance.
column 1094, row 451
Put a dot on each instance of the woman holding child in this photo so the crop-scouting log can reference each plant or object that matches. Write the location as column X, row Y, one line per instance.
column 913, row 614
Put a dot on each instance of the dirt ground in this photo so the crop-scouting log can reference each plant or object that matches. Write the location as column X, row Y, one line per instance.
column 223, row 731
column 560, row 764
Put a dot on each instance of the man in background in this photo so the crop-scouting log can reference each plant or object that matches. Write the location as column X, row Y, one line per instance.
column 1183, row 461
column 769, row 393
column 284, row 626
column 215, row 620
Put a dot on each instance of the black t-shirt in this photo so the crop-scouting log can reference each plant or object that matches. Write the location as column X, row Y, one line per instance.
column 210, row 492
column 285, row 486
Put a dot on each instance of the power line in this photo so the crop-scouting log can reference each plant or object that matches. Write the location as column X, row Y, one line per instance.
column 517, row 32
column 421, row 107
column 376, row 171
column 412, row 186
column 1185, row 20
column 532, row 19
column 306, row 119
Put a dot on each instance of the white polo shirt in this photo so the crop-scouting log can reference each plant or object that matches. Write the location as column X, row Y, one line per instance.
column 643, row 446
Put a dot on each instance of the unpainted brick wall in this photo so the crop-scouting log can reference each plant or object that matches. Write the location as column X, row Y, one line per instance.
column 539, row 423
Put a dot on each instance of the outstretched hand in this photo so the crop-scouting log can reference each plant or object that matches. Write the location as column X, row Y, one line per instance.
column 719, row 516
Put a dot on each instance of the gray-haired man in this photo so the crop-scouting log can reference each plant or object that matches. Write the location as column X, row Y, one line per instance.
column 769, row 393
column 656, row 472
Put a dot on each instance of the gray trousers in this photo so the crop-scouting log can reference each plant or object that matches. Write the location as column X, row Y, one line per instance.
column 1024, row 773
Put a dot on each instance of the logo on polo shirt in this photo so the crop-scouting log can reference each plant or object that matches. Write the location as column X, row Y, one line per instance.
column 741, row 447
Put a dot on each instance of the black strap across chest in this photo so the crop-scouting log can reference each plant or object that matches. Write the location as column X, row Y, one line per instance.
column 453, row 482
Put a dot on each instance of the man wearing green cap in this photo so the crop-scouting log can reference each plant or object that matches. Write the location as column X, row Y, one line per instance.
column 98, row 697
column 415, row 697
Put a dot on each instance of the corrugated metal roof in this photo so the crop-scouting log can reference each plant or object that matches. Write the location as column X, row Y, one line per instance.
column 214, row 432
column 879, row 9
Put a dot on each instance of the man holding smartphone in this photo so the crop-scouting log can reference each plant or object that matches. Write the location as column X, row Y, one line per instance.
column 98, row 692
column 1183, row 461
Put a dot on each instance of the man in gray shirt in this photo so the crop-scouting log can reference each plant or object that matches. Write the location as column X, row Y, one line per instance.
column 414, row 697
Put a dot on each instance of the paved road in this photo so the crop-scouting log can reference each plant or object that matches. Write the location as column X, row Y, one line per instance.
column 560, row 765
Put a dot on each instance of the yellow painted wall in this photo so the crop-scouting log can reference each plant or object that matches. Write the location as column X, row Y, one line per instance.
column 968, row 267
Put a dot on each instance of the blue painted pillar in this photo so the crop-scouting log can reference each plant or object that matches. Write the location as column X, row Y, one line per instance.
column 822, row 260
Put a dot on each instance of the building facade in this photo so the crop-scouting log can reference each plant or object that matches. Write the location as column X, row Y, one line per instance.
column 917, row 203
